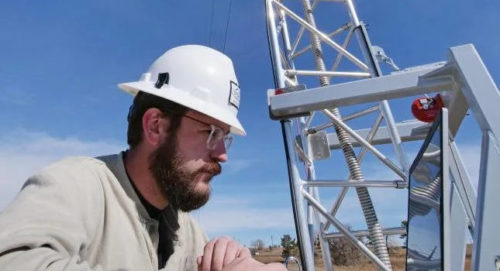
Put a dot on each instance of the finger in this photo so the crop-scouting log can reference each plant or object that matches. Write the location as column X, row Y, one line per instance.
column 207, row 255
column 246, row 263
column 274, row 267
column 236, row 264
column 219, row 253
column 244, row 253
column 232, row 251
column 239, row 264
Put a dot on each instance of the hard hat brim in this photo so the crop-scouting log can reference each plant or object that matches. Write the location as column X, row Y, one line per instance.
column 183, row 98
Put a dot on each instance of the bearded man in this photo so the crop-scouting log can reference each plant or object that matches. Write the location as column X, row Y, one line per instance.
column 130, row 211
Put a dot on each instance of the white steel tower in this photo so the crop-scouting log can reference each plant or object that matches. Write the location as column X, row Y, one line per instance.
column 317, row 42
column 285, row 53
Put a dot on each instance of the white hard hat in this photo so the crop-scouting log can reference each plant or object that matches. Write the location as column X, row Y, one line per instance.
column 197, row 77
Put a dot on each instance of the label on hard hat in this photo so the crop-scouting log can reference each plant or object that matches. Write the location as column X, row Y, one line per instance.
column 234, row 95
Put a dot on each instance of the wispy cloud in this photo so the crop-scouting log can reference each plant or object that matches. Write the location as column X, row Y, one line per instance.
column 227, row 213
column 22, row 153
column 236, row 166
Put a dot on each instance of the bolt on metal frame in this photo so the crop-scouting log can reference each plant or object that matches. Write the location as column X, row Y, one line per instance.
column 312, row 219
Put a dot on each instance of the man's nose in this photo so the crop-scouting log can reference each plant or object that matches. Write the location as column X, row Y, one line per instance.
column 219, row 153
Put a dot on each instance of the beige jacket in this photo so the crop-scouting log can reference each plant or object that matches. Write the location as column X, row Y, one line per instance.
column 83, row 214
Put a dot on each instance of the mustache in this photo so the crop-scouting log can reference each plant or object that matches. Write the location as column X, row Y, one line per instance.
column 212, row 168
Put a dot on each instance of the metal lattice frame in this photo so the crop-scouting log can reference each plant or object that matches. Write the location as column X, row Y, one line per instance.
column 465, row 84
column 312, row 218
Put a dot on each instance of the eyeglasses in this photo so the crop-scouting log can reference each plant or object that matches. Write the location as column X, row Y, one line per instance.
column 216, row 135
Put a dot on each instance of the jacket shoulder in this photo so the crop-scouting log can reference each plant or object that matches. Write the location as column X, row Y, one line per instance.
column 71, row 169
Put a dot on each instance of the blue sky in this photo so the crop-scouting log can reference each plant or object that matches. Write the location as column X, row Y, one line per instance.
column 60, row 62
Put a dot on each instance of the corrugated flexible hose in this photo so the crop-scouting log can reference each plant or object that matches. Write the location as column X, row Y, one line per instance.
column 374, row 227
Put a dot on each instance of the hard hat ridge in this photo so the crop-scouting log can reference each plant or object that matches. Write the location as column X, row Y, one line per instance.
column 197, row 77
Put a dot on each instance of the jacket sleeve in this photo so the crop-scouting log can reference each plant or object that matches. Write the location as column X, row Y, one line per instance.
column 52, row 221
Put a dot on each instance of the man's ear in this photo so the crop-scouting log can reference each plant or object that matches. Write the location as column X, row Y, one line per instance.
column 154, row 127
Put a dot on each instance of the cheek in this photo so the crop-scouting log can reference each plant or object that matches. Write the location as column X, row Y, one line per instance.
column 190, row 165
column 192, row 150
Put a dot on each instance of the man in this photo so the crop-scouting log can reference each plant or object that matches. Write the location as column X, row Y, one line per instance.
column 130, row 211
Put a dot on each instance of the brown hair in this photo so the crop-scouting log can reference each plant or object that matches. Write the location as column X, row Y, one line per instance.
column 144, row 101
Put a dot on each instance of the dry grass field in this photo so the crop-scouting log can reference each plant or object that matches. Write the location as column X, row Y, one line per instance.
column 274, row 255
column 398, row 257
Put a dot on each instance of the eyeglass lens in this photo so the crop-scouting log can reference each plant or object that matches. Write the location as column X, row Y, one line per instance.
column 216, row 135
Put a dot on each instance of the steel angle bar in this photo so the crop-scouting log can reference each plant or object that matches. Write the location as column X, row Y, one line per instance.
column 290, row 82
column 302, row 154
column 314, row 4
column 356, row 183
column 397, row 85
column 327, row 73
column 408, row 131
column 360, row 157
column 314, row 217
column 274, row 48
column 296, row 42
column 366, row 48
column 308, row 122
column 394, row 135
column 369, row 138
column 445, row 201
column 483, row 98
column 342, row 228
column 462, row 180
column 478, row 87
column 278, row 28
column 360, row 113
column 286, row 38
column 346, row 118
column 319, row 127
column 306, row 227
column 300, row 33
column 294, row 178
column 298, row 202
column 352, row 12
column 308, row 47
column 322, row 36
column 284, row 60
column 363, row 233
column 363, row 142
column 344, row 45
column 486, row 238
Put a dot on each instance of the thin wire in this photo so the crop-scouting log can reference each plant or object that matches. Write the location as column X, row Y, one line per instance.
column 211, row 24
column 227, row 25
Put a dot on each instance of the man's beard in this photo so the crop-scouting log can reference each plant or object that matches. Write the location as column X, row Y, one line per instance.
column 178, row 185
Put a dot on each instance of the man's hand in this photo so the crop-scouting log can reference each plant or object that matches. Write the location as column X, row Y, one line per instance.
column 219, row 252
column 225, row 254
column 249, row 264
